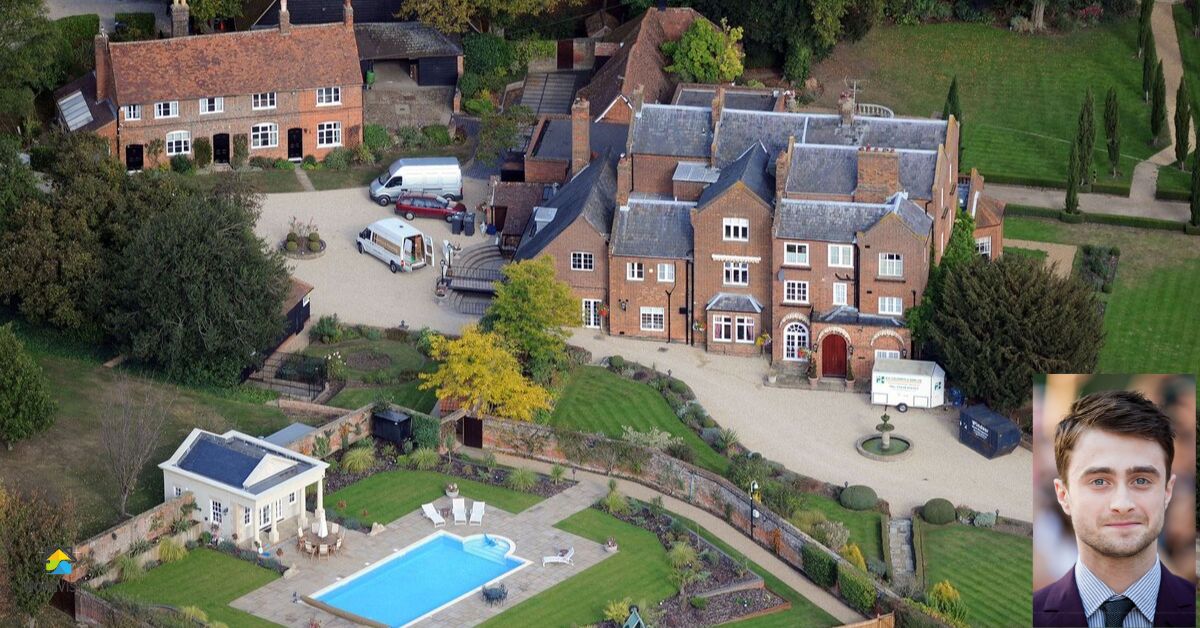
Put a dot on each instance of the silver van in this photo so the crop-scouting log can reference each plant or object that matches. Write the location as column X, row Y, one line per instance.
column 435, row 176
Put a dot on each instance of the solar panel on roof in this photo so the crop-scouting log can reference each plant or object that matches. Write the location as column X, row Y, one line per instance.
column 75, row 111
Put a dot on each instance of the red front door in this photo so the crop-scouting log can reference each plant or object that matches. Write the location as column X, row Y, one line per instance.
column 833, row 356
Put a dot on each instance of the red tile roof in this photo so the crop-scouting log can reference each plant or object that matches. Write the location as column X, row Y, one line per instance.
column 989, row 211
column 520, row 199
column 228, row 64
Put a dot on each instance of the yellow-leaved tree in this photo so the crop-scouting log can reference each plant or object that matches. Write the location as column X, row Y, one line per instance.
column 480, row 373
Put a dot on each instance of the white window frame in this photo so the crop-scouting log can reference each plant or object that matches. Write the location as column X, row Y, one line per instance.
column 329, row 96
column 583, row 261
column 891, row 301
column 214, row 511
column 172, row 107
column 801, row 289
column 132, row 112
column 329, row 127
column 279, row 509
column 891, row 265
column 666, row 273
column 885, row 354
column 635, row 271
column 657, row 317
column 743, row 330
column 736, row 274
column 722, row 328
column 263, row 100
column 844, row 257
column 187, row 140
column 735, row 229
column 178, row 491
column 247, row 517
column 264, row 516
column 271, row 132
column 590, row 307
column 795, row 254
column 217, row 102
column 292, row 497
column 845, row 296
column 800, row 344
column 983, row 246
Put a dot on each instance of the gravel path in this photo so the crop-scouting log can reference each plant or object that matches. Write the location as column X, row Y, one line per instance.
column 1061, row 254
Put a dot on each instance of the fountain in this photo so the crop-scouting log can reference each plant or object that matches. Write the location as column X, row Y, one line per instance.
column 883, row 446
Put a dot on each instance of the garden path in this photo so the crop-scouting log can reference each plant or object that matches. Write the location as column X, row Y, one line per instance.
column 305, row 182
column 904, row 569
column 1061, row 254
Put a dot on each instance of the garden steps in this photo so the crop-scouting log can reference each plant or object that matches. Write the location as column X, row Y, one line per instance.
column 900, row 540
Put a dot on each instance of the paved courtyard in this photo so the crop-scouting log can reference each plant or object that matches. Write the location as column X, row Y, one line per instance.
column 532, row 531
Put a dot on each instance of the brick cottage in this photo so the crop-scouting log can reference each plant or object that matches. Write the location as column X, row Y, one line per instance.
column 288, row 92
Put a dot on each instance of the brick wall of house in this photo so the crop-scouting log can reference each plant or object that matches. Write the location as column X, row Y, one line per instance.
column 581, row 236
column 652, row 174
column 545, row 170
column 996, row 233
column 707, row 225
column 891, row 235
column 864, row 339
column 650, row 292
column 619, row 112
column 292, row 109
column 687, row 190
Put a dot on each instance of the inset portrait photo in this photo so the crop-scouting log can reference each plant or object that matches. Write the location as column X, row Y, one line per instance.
column 1114, row 522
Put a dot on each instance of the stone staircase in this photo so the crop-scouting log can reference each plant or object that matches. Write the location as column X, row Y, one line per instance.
column 551, row 92
column 473, row 272
column 904, row 570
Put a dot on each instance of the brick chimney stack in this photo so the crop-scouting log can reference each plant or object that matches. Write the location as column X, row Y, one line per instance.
column 637, row 98
column 348, row 14
column 718, row 105
column 100, row 43
column 179, row 18
column 878, row 174
column 846, row 108
column 624, row 180
column 285, row 18
column 783, row 165
column 581, row 145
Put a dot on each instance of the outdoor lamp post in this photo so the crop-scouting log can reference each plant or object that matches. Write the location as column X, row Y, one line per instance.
column 753, row 492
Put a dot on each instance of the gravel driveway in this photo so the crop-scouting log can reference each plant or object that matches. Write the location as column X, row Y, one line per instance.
column 107, row 9
column 360, row 288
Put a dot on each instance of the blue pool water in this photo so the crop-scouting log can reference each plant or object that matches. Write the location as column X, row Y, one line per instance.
column 424, row 577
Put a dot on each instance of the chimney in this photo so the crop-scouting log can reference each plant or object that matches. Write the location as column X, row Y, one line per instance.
column 581, row 146
column 783, row 164
column 718, row 105
column 624, row 181
column 285, row 18
column 179, row 18
column 636, row 99
column 347, row 14
column 878, row 174
column 846, row 108
column 102, row 70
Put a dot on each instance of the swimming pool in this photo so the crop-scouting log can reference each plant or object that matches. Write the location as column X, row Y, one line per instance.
column 423, row 578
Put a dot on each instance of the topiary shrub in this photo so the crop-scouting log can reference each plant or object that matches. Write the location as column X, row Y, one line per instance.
column 314, row 236
column 313, row 245
column 819, row 566
column 857, row 589
column 616, row 363
column 182, row 164
column 938, row 511
column 202, row 149
column 858, row 497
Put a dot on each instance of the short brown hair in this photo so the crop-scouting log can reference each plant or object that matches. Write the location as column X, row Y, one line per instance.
column 1117, row 411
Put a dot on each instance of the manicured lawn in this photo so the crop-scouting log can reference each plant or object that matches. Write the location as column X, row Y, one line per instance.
column 390, row 495
column 1189, row 51
column 1019, row 118
column 864, row 525
column 1175, row 182
column 406, row 395
column 992, row 571
column 265, row 181
column 205, row 578
column 1030, row 253
column 596, row 400
column 1149, row 322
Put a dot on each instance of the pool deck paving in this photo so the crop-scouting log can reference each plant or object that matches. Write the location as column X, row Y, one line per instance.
column 532, row 531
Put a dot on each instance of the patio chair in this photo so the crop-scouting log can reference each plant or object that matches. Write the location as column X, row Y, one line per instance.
column 460, row 510
column 314, row 527
column 477, row 513
column 337, row 547
column 494, row 595
column 334, row 528
column 309, row 550
column 323, row 551
column 564, row 559
column 433, row 515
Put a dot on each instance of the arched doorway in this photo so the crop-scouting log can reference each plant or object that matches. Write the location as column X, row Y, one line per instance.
column 795, row 338
column 833, row 356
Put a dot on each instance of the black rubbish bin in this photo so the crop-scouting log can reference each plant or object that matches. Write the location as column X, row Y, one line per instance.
column 456, row 224
column 468, row 223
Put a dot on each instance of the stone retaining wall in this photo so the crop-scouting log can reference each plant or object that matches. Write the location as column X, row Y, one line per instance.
column 150, row 525
column 332, row 437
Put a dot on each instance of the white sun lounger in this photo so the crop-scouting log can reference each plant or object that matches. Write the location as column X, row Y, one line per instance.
column 565, row 559
column 433, row 515
column 460, row 510
column 477, row 513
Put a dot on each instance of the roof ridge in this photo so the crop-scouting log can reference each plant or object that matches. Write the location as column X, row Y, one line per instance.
column 169, row 40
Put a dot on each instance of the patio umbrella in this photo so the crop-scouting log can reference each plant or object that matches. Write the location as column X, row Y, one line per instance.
column 322, row 526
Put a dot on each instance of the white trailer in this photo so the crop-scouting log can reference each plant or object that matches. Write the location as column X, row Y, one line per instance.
column 908, row 383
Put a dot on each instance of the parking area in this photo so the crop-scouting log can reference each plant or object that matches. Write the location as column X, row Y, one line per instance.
column 360, row 288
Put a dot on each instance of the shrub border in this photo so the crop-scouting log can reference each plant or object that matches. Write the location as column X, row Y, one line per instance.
column 1137, row 222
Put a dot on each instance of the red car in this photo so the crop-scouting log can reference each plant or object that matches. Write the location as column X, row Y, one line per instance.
column 412, row 205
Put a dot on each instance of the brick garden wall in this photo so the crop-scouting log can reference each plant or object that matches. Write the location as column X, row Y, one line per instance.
column 149, row 525
column 339, row 433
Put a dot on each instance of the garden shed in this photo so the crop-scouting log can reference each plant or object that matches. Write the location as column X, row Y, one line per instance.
column 391, row 425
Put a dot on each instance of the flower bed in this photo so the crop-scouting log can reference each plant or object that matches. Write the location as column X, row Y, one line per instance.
column 1098, row 266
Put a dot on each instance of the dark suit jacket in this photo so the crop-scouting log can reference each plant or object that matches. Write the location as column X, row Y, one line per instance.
column 1060, row 605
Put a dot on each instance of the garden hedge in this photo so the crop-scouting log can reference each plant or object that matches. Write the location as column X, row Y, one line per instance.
column 858, row 497
column 1016, row 209
column 820, row 567
column 938, row 511
column 1115, row 188
column 856, row 588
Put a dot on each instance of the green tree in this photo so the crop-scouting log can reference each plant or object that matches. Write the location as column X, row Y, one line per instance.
column 1195, row 196
column 530, row 311
column 1145, row 30
column 1183, row 122
column 706, row 54
column 30, row 523
column 1196, row 30
column 1085, row 136
column 456, row 16
column 952, row 106
column 499, row 131
column 1072, row 201
column 479, row 372
column 1158, row 107
column 27, row 41
column 826, row 21
column 992, row 331
column 18, row 185
column 1112, row 129
column 1149, row 61
column 959, row 251
column 798, row 63
column 195, row 293
column 205, row 11
column 25, row 404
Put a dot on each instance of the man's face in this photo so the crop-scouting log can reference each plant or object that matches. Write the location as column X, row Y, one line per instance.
column 1116, row 492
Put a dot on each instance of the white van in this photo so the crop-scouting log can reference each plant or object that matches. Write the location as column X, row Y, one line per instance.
column 397, row 243
column 435, row 176
column 908, row 383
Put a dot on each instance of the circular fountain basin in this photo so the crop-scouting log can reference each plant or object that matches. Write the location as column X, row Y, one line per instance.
column 872, row 447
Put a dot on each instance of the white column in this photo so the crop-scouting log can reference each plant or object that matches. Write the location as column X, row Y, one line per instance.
column 254, row 525
column 303, row 516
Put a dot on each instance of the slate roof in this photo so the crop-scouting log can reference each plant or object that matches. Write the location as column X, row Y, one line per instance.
column 750, row 100
column 653, row 230
column 228, row 64
column 751, row 170
column 915, row 133
column 555, row 139
column 231, row 460
column 98, row 115
column 403, row 40
column 640, row 60
column 520, row 198
column 591, row 194
column 674, row 131
column 916, row 173
column 289, row 434
column 833, row 221
column 325, row 11
column 727, row 302
column 846, row 315
column 822, row 170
